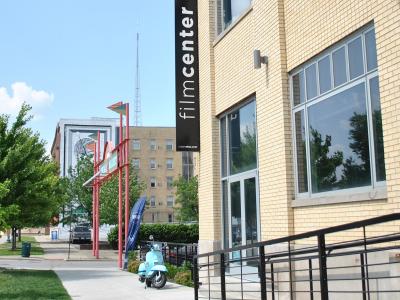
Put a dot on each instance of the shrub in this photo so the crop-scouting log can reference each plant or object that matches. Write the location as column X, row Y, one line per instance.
column 184, row 278
column 112, row 238
column 172, row 233
column 172, row 270
column 133, row 266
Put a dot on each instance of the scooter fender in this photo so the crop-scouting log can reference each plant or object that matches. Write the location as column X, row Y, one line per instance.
column 142, row 269
column 160, row 268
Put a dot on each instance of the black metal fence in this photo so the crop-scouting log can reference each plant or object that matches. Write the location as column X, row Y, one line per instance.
column 351, row 261
column 173, row 253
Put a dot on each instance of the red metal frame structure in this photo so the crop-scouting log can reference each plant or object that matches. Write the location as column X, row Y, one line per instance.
column 103, row 172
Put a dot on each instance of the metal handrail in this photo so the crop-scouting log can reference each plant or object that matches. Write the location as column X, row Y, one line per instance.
column 309, row 234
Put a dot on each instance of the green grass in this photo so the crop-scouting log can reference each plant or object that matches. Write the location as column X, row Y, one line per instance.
column 5, row 249
column 31, row 284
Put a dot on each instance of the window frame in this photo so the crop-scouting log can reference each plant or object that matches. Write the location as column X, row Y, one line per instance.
column 137, row 143
column 151, row 160
column 152, row 143
column 134, row 165
column 220, row 27
column 153, row 180
column 152, row 204
column 172, row 202
column 172, row 164
column 364, row 78
column 169, row 142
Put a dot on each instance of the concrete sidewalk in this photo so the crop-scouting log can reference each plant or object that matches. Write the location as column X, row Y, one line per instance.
column 59, row 250
column 88, row 279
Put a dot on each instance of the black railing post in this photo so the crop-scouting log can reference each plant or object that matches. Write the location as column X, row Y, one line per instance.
column 195, row 279
column 186, row 253
column 323, row 275
column 272, row 282
column 222, row 270
column 310, row 274
column 263, row 283
column 364, row 287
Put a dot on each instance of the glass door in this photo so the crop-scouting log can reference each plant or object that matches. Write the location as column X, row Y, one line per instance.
column 244, row 213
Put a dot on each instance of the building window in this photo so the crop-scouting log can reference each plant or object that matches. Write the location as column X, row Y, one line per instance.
column 153, row 182
column 239, row 185
column 229, row 11
column 153, row 145
column 187, row 165
column 170, row 182
column 136, row 144
column 170, row 218
column 170, row 163
column 136, row 163
column 170, row 201
column 169, row 145
column 153, row 201
column 153, row 164
column 337, row 120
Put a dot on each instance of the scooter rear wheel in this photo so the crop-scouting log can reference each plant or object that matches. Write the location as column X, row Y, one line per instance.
column 159, row 280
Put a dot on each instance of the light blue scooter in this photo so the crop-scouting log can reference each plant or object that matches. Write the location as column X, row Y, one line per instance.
column 153, row 270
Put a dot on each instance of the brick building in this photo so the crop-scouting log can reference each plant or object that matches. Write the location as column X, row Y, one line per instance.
column 153, row 155
column 310, row 139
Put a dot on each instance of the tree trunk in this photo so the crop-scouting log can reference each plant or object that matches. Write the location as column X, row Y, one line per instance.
column 14, row 239
column 19, row 235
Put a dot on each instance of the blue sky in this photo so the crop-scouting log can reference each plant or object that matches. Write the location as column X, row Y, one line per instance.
column 72, row 58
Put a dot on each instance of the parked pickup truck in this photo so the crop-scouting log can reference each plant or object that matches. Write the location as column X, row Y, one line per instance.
column 81, row 234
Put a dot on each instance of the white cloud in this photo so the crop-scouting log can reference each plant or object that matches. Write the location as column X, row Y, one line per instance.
column 21, row 92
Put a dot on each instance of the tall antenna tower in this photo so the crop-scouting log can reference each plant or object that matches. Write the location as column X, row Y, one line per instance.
column 137, row 121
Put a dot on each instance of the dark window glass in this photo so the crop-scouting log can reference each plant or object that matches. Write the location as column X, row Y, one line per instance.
column 242, row 139
column 301, row 152
column 339, row 146
column 224, row 170
column 299, row 94
column 311, row 81
column 356, row 62
column 232, row 9
column 370, row 45
column 251, row 213
column 324, row 71
column 377, row 127
column 236, row 216
column 339, row 66
column 225, row 212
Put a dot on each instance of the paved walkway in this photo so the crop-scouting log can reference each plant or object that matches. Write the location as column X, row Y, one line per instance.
column 90, row 279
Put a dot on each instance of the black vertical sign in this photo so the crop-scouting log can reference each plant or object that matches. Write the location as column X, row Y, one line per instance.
column 187, row 76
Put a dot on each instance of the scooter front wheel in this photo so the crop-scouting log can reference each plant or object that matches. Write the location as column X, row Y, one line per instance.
column 159, row 280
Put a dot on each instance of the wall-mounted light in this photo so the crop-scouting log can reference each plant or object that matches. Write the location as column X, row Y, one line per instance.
column 258, row 59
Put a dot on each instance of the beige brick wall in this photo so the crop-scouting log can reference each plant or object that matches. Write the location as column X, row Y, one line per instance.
column 314, row 26
column 209, row 186
column 290, row 33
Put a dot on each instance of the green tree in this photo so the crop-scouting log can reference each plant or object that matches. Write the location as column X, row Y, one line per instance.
column 109, row 196
column 33, row 192
column 187, row 198
column 82, row 197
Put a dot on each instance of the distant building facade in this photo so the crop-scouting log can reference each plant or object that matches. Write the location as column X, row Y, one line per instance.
column 73, row 135
column 153, row 155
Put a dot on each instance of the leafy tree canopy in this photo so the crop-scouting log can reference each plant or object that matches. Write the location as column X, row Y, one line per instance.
column 187, row 198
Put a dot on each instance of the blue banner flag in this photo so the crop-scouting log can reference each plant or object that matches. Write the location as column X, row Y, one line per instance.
column 134, row 226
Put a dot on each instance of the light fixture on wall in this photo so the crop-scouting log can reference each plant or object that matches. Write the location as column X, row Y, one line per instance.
column 258, row 59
